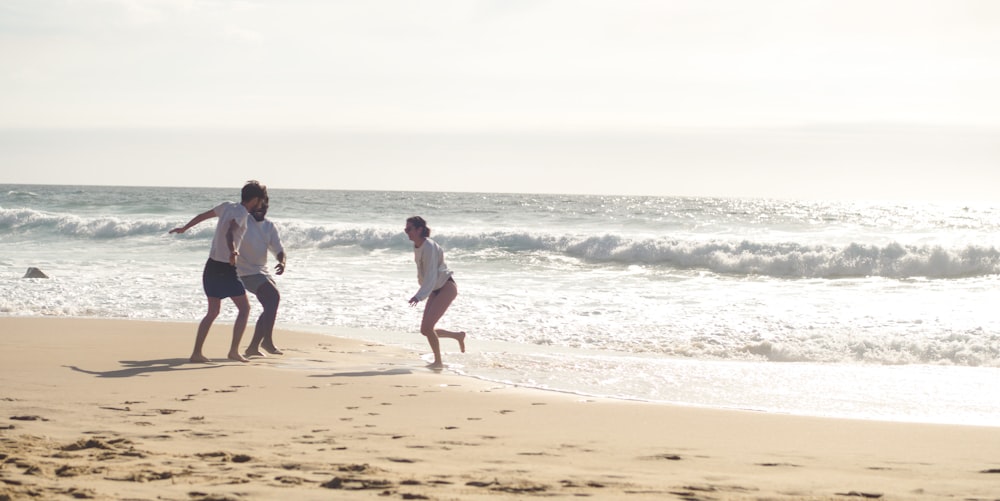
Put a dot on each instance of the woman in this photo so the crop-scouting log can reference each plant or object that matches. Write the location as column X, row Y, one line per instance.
column 436, row 285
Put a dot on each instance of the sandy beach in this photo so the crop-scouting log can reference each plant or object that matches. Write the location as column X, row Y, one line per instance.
column 111, row 409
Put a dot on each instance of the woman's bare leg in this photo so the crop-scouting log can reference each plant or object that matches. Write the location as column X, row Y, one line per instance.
column 457, row 336
column 214, row 305
column 435, row 308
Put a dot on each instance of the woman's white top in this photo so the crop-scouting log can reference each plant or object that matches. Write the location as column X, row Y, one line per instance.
column 432, row 272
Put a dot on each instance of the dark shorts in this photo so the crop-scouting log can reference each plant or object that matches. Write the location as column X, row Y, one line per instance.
column 219, row 280
column 438, row 290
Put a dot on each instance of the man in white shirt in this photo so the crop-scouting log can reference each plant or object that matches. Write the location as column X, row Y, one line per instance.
column 260, row 238
column 219, row 277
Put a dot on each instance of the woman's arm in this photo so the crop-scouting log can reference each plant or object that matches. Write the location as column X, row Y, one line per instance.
column 429, row 263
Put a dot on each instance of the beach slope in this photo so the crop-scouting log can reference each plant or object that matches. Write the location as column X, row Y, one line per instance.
column 111, row 409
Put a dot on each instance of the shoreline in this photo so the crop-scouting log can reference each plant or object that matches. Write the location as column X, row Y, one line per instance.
column 112, row 409
column 877, row 374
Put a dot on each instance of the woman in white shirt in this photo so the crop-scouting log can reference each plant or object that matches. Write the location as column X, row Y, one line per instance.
column 436, row 286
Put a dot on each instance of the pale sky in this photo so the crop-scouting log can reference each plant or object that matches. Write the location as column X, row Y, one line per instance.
column 783, row 98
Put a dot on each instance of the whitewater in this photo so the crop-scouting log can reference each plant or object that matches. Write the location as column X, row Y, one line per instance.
column 866, row 310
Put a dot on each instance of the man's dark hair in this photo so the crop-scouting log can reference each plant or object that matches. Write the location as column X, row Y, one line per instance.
column 253, row 189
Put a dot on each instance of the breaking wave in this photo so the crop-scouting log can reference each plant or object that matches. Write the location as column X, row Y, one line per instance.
column 789, row 260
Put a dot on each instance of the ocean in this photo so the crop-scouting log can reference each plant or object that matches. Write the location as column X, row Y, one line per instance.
column 863, row 310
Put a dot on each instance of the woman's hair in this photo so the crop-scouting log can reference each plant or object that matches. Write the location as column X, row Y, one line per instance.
column 418, row 222
column 253, row 189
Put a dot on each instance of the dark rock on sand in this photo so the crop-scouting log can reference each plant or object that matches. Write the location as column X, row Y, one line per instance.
column 35, row 273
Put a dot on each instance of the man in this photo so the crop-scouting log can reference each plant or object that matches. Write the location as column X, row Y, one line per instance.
column 219, row 278
column 261, row 237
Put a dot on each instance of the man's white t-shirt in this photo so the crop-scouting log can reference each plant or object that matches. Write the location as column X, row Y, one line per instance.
column 228, row 212
column 260, row 237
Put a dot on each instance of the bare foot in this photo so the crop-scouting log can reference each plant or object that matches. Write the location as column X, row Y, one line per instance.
column 461, row 340
column 253, row 353
column 236, row 357
column 272, row 350
column 436, row 366
column 199, row 359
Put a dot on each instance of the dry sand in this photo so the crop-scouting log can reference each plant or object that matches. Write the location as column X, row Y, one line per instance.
column 109, row 409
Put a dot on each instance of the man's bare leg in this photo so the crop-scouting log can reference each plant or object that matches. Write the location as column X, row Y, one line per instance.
column 197, row 356
column 243, row 304
column 269, row 299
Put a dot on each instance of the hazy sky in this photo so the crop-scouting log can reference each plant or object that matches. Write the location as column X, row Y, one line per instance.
column 795, row 98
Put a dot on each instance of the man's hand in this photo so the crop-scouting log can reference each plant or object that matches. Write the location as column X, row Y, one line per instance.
column 280, row 267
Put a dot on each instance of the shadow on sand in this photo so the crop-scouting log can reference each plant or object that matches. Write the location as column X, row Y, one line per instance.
column 147, row 367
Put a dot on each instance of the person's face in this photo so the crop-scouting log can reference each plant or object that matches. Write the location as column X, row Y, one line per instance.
column 255, row 202
column 412, row 231
column 260, row 211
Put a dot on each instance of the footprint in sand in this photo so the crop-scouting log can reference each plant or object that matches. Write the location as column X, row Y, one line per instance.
column 867, row 495
column 290, row 480
column 76, row 471
column 82, row 444
column 123, row 409
column 225, row 457
column 521, row 487
column 569, row 484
